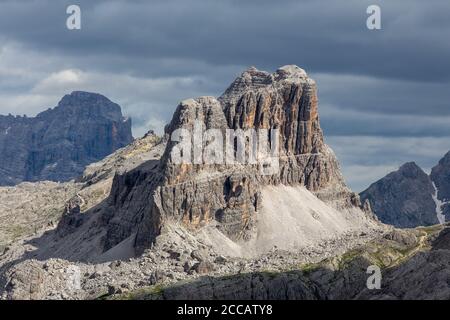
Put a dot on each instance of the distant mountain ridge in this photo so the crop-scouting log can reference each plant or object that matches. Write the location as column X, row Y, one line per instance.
column 60, row 142
column 408, row 197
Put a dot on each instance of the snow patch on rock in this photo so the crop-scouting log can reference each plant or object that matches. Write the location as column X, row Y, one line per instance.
column 439, row 205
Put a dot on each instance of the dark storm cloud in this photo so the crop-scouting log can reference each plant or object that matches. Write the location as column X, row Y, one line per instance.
column 364, row 159
column 338, row 123
column 323, row 36
column 377, row 89
column 385, row 96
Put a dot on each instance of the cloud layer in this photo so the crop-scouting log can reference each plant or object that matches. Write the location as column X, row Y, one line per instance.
column 384, row 95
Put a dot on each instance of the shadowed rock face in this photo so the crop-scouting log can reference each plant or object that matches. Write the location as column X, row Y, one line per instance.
column 408, row 198
column 403, row 198
column 59, row 143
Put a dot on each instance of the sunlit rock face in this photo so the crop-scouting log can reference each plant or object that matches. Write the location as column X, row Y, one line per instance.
column 199, row 194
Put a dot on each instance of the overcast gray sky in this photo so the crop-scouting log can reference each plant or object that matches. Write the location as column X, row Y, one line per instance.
column 384, row 95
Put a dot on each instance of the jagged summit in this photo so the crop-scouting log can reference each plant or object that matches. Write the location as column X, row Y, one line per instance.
column 254, row 79
column 291, row 72
column 411, row 170
column 91, row 104
column 409, row 197
column 82, row 98
column 58, row 143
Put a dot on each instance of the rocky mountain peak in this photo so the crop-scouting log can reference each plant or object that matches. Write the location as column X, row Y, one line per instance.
column 251, row 78
column 58, row 143
column 91, row 104
column 411, row 170
column 405, row 198
column 81, row 98
column 254, row 79
column 291, row 72
column 144, row 201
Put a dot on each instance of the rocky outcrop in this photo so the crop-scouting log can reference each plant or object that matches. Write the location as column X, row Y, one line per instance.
column 136, row 153
column 408, row 198
column 59, row 143
column 229, row 195
column 33, row 207
column 176, row 256
column 413, row 265
column 403, row 198
column 30, row 212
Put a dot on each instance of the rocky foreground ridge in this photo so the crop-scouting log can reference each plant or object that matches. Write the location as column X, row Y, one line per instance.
column 164, row 222
column 414, row 265
column 59, row 143
column 409, row 197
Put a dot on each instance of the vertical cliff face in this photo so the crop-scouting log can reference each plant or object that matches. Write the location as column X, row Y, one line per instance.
column 58, row 143
column 285, row 100
column 197, row 194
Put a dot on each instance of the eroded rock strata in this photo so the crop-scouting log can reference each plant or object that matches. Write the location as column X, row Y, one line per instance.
column 285, row 100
